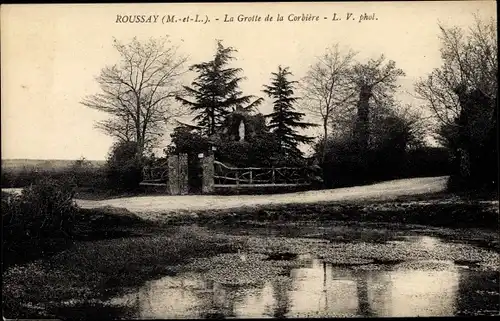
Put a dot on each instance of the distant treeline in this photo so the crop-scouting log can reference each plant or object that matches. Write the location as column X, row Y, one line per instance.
column 44, row 164
column 82, row 173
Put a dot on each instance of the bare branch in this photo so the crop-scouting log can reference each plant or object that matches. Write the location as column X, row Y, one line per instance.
column 137, row 92
column 470, row 63
column 325, row 88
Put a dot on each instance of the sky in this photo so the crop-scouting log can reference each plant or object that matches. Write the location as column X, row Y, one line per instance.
column 51, row 55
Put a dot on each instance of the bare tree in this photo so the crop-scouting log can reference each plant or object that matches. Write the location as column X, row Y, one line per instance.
column 326, row 87
column 470, row 62
column 462, row 94
column 373, row 80
column 138, row 91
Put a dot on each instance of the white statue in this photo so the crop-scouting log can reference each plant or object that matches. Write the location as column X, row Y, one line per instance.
column 241, row 131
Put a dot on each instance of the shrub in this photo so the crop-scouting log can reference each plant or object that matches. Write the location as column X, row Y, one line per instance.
column 40, row 220
column 428, row 161
column 260, row 150
column 186, row 141
column 85, row 175
column 43, row 209
column 344, row 165
column 21, row 177
column 123, row 168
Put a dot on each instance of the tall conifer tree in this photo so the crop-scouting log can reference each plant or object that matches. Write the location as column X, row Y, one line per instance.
column 215, row 91
column 284, row 120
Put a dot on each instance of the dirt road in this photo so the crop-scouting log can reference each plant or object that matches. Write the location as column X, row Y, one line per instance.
column 380, row 191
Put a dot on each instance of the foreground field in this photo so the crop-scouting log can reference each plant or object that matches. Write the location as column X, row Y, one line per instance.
column 405, row 227
column 159, row 274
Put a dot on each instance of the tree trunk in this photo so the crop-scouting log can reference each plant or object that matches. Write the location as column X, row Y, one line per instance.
column 139, row 140
column 212, row 122
column 465, row 165
column 140, row 149
column 325, row 139
column 464, row 134
column 475, row 140
column 362, row 121
column 139, row 143
column 491, row 147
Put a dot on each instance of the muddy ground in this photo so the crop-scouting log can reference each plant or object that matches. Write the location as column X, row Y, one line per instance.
column 78, row 281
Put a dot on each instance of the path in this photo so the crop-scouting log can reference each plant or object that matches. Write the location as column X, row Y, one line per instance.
column 165, row 203
column 385, row 190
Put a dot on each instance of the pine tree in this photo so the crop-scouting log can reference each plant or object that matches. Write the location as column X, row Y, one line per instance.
column 285, row 120
column 216, row 91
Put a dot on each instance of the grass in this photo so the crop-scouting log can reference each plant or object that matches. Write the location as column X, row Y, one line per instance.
column 440, row 210
column 109, row 251
column 90, row 225
column 101, row 268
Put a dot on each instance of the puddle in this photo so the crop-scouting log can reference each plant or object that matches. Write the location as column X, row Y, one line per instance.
column 408, row 274
column 327, row 280
column 321, row 289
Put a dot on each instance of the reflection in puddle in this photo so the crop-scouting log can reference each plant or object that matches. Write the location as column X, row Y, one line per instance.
column 422, row 293
column 318, row 290
column 315, row 288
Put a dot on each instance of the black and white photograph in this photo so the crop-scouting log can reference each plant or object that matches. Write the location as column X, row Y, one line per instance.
column 198, row 160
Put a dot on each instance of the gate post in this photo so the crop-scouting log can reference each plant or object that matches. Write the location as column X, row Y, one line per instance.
column 183, row 174
column 208, row 173
column 173, row 175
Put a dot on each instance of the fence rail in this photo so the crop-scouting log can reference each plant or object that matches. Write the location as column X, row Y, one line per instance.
column 260, row 176
column 157, row 174
column 173, row 175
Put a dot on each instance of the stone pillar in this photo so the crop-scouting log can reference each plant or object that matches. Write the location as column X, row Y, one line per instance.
column 183, row 174
column 173, row 175
column 208, row 174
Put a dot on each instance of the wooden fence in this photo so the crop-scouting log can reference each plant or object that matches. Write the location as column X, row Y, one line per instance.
column 226, row 176
column 173, row 175
column 157, row 175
